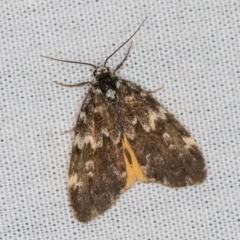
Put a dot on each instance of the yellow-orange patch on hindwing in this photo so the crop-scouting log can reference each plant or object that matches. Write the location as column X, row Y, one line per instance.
column 133, row 168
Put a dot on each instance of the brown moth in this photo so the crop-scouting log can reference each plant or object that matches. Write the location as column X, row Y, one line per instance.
column 123, row 135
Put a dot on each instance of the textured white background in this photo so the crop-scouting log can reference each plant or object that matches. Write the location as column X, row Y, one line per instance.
column 192, row 48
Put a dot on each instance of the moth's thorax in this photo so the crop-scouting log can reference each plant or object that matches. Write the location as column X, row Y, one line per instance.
column 107, row 82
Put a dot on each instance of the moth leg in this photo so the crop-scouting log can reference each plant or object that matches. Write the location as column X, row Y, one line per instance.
column 68, row 131
column 156, row 90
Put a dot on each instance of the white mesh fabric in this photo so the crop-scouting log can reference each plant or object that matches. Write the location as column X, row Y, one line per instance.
column 189, row 47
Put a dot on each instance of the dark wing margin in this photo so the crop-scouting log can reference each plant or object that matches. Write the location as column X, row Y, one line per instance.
column 163, row 147
column 97, row 171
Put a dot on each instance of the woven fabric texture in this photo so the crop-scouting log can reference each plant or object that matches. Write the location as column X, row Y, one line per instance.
column 190, row 47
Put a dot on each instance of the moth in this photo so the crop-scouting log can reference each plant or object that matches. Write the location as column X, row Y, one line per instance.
column 123, row 135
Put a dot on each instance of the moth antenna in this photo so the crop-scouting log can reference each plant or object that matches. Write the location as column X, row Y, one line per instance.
column 125, row 42
column 60, row 60
column 121, row 63
column 73, row 85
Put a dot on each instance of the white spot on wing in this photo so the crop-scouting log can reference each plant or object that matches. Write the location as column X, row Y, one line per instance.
column 98, row 109
column 98, row 91
column 105, row 132
column 189, row 142
column 166, row 136
column 74, row 182
column 89, row 165
column 80, row 141
column 90, row 174
column 189, row 181
column 134, row 121
column 118, row 83
column 130, row 135
column 83, row 116
column 148, row 156
column 172, row 147
column 111, row 94
column 143, row 94
column 165, row 182
column 129, row 99
column 123, row 175
column 152, row 117
column 145, row 126
column 118, row 138
column 162, row 112
column 169, row 141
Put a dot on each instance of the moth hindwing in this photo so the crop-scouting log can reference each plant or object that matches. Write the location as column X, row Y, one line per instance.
column 123, row 135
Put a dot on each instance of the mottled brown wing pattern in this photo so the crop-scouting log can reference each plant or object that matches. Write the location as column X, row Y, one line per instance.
column 97, row 171
column 164, row 149
column 123, row 135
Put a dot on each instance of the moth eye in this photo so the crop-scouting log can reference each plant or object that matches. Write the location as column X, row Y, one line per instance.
column 94, row 73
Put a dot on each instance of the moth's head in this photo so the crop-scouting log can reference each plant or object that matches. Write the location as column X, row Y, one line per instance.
column 101, row 72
